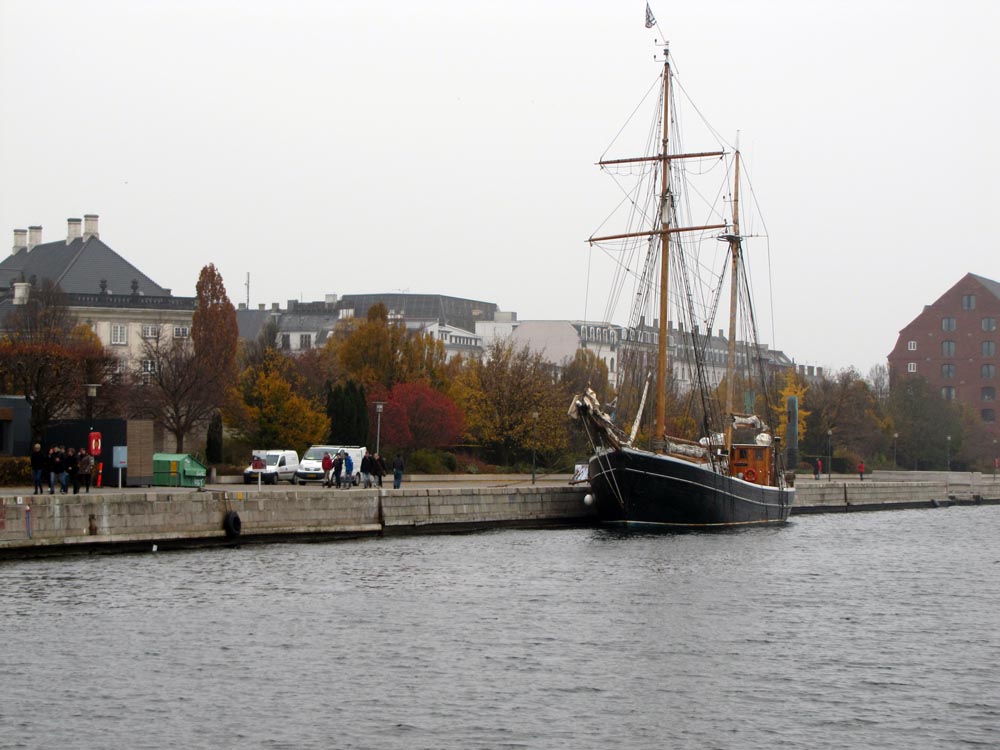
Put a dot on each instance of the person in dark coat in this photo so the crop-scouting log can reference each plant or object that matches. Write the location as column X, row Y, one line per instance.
column 85, row 467
column 38, row 465
column 338, row 467
column 397, row 471
column 72, row 470
column 378, row 468
column 366, row 469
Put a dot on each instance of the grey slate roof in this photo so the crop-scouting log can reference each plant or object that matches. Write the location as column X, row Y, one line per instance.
column 455, row 311
column 78, row 267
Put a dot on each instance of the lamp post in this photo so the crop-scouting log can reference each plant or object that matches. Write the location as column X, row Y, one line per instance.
column 379, row 405
column 534, row 430
column 91, row 395
column 947, row 444
column 829, row 455
column 995, row 461
column 895, row 437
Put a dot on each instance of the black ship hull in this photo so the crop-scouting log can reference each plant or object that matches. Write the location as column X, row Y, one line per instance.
column 636, row 488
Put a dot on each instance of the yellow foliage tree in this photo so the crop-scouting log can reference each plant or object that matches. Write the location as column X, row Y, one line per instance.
column 793, row 386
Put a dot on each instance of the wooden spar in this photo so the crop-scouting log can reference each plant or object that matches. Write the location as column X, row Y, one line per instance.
column 734, row 251
column 666, row 199
column 652, row 232
column 672, row 157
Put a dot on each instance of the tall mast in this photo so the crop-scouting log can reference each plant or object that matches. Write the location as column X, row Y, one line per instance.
column 734, row 251
column 666, row 201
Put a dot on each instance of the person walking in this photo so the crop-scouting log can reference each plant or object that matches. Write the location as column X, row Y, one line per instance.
column 366, row 469
column 53, row 465
column 338, row 466
column 397, row 471
column 38, row 464
column 72, row 469
column 348, row 470
column 378, row 468
column 819, row 468
column 85, row 467
column 327, row 464
column 861, row 470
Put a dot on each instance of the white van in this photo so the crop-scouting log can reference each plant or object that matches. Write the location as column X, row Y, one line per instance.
column 311, row 466
column 271, row 467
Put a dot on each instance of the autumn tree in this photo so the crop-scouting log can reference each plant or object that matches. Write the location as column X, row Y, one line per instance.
column 41, row 359
column 501, row 396
column 923, row 421
column 215, row 334
column 585, row 370
column 418, row 416
column 267, row 410
column 382, row 352
column 174, row 385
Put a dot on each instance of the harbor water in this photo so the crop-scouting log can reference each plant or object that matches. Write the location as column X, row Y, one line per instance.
column 851, row 630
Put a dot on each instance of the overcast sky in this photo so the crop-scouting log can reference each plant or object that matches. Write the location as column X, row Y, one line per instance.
column 448, row 147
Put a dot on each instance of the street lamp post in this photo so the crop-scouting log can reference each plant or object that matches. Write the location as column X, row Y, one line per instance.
column 947, row 443
column 895, row 437
column 91, row 395
column 379, row 405
column 995, row 461
column 534, row 431
column 829, row 455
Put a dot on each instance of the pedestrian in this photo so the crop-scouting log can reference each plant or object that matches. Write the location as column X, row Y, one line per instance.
column 379, row 468
column 861, row 470
column 348, row 470
column 72, row 468
column 53, row 466
column 38, row 464
column 338, row 466
column 85, row 467
column 819, row 467
column 327, row 464
column 397, row 471
column 366, row 469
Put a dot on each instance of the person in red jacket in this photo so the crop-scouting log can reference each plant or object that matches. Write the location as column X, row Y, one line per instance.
column 327, row 468
column 861, row 470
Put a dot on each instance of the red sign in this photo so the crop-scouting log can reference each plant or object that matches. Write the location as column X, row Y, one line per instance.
column 94, row 444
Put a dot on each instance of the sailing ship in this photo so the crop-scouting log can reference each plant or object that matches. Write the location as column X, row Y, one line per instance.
column 732, row 474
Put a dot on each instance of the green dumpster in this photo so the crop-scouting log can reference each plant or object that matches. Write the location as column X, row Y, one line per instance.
column 178, row 470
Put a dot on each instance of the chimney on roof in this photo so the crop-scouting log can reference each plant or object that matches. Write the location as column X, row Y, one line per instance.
column 20, row 241
column 73, row 230
column 90, row 226
column 34, row 237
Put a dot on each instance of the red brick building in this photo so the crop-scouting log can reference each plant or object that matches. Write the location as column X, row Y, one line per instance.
column 955, row 345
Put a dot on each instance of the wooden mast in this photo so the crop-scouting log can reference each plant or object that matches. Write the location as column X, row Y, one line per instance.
column 666, row 206
column 734, row 251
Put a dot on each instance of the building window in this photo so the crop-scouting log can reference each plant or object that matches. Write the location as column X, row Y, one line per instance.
column 118, row 369
column 305, row 341
column 947, row 348
column 968, row 302
column 119, row 334
column 911, row 366
column 989, row 348
column 989, row 324
column 988, row 393
column 948, row 393
column 150, row 332
column 148, row 368
column 988, row 415
column 988, row 372
column 947, row 371
column 181, row 332
column 911, row 346
column 948, row 324
column 286, row 341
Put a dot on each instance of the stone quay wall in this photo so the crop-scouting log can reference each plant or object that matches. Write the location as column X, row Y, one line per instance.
column 185, row 517
column 174, row 517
